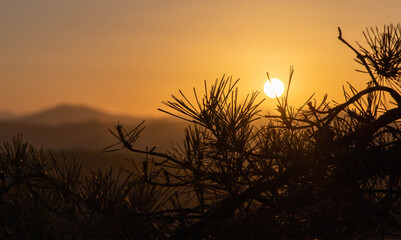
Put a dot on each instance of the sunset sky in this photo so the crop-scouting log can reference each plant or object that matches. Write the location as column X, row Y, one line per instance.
column 128, row 56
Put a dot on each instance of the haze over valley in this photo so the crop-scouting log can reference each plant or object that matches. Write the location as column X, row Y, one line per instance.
column 82, row 132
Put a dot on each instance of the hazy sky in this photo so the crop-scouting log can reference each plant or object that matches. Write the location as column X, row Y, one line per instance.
column 128, row 56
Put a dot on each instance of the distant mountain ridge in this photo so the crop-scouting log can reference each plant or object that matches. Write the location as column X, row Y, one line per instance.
column 68, row 127
column 7, row 116
column 70, row 114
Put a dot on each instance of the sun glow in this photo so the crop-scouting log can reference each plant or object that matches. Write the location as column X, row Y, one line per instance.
column 274, row 88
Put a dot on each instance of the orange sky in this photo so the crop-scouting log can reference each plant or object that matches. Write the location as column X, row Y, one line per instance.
column 128, row 56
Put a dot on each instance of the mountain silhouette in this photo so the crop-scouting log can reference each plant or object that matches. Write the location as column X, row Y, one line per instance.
column 70, row 114
column 7, row 116
column 82, row 128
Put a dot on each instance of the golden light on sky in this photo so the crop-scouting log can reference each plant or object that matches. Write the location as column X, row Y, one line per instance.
column 273, row 88
column 129, row 56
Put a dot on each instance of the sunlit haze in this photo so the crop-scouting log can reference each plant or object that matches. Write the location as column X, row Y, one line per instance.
column 127, row 57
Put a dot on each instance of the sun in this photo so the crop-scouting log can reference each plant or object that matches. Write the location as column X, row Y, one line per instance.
column 274, row 88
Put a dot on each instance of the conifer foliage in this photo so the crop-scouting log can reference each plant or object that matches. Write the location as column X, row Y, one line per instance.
column 324, row 170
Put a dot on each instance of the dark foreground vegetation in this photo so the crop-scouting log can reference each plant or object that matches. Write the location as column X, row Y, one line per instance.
column 321, row 171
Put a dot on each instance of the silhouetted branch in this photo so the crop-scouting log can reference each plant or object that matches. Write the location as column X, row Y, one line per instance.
column 359, row 56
